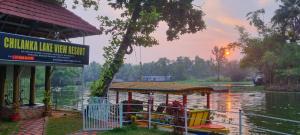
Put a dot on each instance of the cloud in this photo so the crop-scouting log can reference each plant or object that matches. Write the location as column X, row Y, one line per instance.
column 264, row 3
column 216, row 11
column 227, row 20
column 220, row 31
column 221, row 18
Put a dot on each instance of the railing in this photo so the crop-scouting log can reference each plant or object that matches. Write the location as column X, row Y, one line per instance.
column 238, row 122
column 101, row 117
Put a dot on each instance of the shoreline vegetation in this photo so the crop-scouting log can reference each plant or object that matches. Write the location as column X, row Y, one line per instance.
column 242, row 86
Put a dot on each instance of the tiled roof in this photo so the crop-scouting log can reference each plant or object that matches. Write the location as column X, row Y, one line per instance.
column 41, row 11
column 159, row 87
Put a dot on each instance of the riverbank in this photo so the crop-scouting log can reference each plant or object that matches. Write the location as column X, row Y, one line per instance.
column 283, row 88
column 208, row 83
column 233, row 86
column 242, row 86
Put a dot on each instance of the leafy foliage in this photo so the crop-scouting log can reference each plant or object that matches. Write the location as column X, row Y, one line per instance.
column 176, row 109
column 232, row 69
column 219, row 59
column 182, row 68
column 275, row 51
column 84, row 3
column 92, row 72
column 139, row 19
column 287, row 19
column 63, row 76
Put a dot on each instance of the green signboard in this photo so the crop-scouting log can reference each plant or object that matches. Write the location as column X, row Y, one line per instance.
column 19, row 48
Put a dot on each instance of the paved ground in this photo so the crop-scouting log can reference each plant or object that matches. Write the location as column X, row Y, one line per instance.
column 32, row 127
column 86, row 133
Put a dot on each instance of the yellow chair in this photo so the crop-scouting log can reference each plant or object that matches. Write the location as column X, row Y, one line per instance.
column 198, row 117
column 199, row 122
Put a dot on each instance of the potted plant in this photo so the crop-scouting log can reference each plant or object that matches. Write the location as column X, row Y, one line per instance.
column 176, row 109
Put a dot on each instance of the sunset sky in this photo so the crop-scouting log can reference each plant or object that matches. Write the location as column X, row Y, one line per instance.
column 221, row 18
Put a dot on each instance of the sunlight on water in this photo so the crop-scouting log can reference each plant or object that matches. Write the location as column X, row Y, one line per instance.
column 227, row 105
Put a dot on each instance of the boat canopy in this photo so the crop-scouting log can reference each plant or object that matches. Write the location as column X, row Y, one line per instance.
column 159, row 87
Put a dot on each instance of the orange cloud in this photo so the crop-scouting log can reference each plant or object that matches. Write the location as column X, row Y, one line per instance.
column 230, row 21
column 263, row 3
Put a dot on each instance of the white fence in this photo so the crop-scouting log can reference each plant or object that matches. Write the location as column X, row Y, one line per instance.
column 241, row 128
column 99, row 114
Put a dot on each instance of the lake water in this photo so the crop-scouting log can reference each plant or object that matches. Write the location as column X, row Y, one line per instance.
column 283, row 105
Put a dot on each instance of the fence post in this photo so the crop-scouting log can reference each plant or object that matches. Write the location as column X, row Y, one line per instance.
column 83, row 117
column 121, row 114
column 240, row 123
column 185, row 120
column 149, row 115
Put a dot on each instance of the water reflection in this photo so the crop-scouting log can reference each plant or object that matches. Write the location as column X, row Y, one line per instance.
column 283, row 105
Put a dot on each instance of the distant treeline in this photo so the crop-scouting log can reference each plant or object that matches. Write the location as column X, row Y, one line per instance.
column 183, row 68
column 63, row 76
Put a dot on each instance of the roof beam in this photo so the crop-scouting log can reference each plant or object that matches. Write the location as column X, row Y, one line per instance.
column 25, row 26
column 17, row 29
column 2, row 15
column 3, row 24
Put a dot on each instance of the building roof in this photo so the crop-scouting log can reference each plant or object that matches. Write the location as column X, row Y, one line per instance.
column 159, row 87
column 43, row 19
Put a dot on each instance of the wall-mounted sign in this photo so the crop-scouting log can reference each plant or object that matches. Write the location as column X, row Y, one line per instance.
column 21, row 48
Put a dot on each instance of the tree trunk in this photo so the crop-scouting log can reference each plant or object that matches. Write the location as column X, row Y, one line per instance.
column 218, row 72
column 119, row 56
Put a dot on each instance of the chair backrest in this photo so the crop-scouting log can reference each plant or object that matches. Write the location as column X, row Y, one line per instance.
column 198, row 117
column 161, row 108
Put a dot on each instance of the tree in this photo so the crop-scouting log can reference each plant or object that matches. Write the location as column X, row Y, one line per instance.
column 162, row 66
column 84, row 3
column 233, row 70
column 92, row 72
column 63, row 76
column 260, row 52
column 139, row 19
column 181, row 68
column 269, row 53
column 219, row 54
column 201, row 68
column 129, row 72
column 287, row 19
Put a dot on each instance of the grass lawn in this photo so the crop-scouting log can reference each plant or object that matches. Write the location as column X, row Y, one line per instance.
column 62, row 123
column 8, row 128
column 133, row 130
